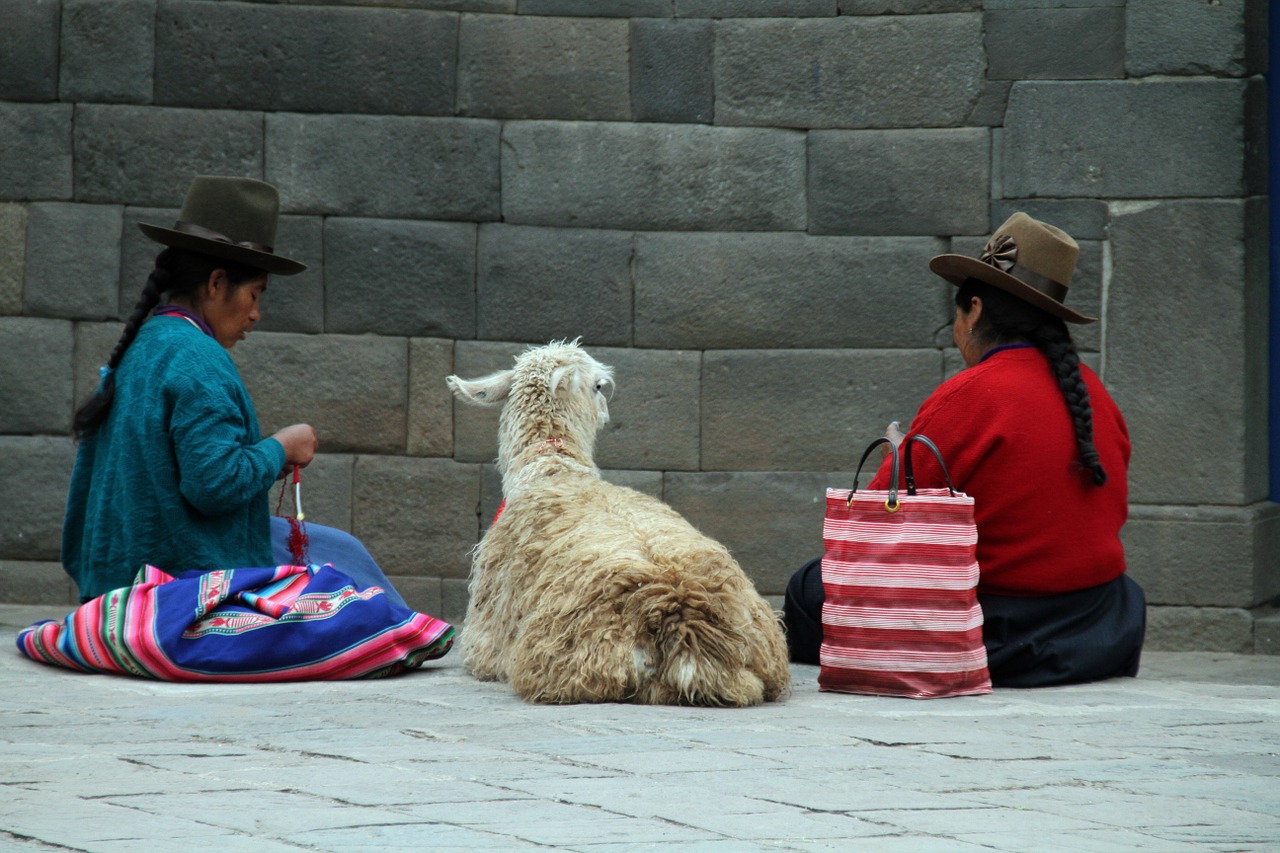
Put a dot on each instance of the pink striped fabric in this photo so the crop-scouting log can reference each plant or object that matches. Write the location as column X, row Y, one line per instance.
column 901, row 616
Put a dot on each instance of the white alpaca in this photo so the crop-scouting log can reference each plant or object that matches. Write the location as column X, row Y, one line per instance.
column 584, row 591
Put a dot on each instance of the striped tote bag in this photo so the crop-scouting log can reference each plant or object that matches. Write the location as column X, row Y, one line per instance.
column 900, row 573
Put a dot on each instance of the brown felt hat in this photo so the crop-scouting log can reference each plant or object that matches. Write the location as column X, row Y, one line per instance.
column 230, row 218
column 1025, row 257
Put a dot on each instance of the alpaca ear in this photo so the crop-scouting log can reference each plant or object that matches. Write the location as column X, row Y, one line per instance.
column 486, row 391
column 559, row 375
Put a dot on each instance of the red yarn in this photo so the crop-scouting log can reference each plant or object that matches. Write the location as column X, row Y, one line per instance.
column 299, row 542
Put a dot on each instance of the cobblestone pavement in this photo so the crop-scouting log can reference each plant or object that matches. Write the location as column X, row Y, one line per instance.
column 1185, row 757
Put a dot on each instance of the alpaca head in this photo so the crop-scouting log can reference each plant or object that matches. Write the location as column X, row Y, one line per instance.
column 555, row 392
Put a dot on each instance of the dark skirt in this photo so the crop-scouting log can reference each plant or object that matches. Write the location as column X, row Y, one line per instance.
column 1086, row 635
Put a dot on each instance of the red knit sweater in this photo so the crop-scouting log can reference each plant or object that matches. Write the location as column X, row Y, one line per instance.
column 1008, row 441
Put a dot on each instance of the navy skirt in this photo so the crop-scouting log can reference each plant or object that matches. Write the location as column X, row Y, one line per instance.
column 1085, row 635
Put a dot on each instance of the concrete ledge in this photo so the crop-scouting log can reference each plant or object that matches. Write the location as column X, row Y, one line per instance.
column 1199, row 629
column 32, row 582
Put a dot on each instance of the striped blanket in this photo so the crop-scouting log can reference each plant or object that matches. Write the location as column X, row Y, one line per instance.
column 287, row 623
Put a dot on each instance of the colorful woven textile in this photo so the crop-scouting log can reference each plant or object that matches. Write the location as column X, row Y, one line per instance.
column 901, row 616
column 288, row 623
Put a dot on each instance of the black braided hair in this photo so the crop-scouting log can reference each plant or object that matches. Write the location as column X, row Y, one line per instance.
column 177, row 272
column 1007, row 319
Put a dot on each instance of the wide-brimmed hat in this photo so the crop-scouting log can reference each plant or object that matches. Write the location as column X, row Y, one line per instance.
column 230, row 218
column 1025, row 257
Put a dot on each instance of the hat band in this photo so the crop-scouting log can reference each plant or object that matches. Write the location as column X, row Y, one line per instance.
column 209, row 234
column 1037, row 282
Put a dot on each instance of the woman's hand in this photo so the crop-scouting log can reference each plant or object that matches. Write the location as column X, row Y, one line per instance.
column 300, row 443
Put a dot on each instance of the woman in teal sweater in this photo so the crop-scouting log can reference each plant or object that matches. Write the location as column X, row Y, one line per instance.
column 171, row 468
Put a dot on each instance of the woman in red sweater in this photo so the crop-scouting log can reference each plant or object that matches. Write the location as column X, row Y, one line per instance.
column 1033, row 436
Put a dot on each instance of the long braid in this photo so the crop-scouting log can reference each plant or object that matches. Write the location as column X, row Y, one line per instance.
column 1052, row 339
column 95, row 410
column 1007, row 319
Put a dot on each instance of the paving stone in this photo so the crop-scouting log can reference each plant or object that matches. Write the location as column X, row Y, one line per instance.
column 29, row 44
column 305, row 58
column 756, row 291
column 1179, row 400
column 1203, row 629
column 672, row 74
column 544, row 284
column 148, row 155
column 416, row 516
column 1099, row 139
column 13, row 256
column 1185, row 37
column 385, row 166
column 35, row 376
column 34, row 582
column 542, row 67
column 899, row 182
column 848, row 72
column 652, row 176
column 74, row 252
column 39, row 137
column 1204, row 556
column 31, row 528
column 400, row 277
column 352, row 389
column 770, row 521
column 833, row 403
column 430, row 402
column 108, row 51
column 1055, row 44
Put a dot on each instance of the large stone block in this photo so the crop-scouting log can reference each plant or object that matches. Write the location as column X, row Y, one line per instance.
column 653, row 416
column 417, row 517
column 94, row 343
column 35, row 145
column 1082, row 218
column 13, row 256
column 910, row 7
column 1205, row 556
column 1185, row 37
column 1055, row 44
column 138, row 253
column 74, row 269
column 849, row 72
column 353, row 390
column 807, row 410
column 598, row 8
column 108, row 51
column 430, row 431
column 148, row 155
column 390, row 166
column 31, row 524
column 771, row 522
column 653, row 176
column 755, row 8
column 36, row 381
column 34, row 582
column 990, row 107
column 29, row 45
column 672, row 73
column 1100, row 139
column 296, row 303
column 899, row 182
column 1199, row 629
column 399, row 277
column 326, row 491
column 305, row 58
column 544, row 284
column 700, row 291
column 1197, row 414
column 539, row 67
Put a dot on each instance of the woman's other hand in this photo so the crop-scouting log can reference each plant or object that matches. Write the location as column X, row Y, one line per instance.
column 300, row 444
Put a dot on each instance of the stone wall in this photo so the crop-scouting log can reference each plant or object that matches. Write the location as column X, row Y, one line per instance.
column 732, row 201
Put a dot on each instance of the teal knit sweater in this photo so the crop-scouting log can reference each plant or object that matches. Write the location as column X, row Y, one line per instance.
column 178, row 474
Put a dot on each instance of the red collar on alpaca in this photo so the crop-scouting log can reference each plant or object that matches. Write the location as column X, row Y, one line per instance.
column 554, row 443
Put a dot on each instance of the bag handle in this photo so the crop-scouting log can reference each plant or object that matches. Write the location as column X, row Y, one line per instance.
column 892, row 503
